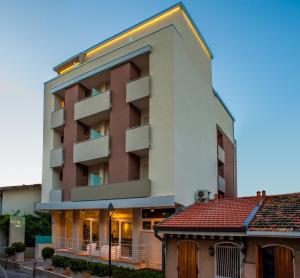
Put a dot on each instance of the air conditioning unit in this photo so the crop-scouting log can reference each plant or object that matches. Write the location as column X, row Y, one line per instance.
column 202, row 195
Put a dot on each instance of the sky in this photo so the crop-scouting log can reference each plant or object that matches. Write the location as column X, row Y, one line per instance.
column 256, row 70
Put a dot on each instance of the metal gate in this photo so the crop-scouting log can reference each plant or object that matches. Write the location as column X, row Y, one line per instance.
column 228, row 261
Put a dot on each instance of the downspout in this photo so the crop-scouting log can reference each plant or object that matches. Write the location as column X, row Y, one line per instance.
column 163, row 253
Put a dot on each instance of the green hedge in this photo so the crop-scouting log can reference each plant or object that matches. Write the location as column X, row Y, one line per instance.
column 18, row 246
column 60, row 261
column 100, row 269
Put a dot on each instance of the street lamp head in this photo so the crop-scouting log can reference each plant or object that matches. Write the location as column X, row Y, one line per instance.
column 110, row 209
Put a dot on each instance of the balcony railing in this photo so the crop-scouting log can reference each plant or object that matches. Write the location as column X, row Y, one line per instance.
column 221, row 154
column 138, row 90
column 121, row 190
column 91, row 151
column 119, row 251
column 221, row 184
column 57, row 157
column 138, row 139
column 58, row 118
column 93, row 109
column 56, row 195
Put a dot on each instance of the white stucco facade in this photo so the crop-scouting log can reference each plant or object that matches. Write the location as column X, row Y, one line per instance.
column 22, row 199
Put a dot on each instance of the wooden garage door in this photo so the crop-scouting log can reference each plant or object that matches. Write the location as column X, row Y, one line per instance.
column 274, row 262
column 187, row 259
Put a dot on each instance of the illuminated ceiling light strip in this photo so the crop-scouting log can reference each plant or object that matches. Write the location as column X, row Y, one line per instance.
column 196, row 34
column 135, row 30
column 69, row 68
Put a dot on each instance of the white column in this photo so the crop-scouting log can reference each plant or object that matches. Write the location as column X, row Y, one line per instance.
column 103, row 227
column 75, row 231
column 136, row 231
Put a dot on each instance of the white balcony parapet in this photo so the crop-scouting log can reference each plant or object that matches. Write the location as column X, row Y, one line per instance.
column 56, row 195
column 91, row 151
column 221, row 154
column 221, row 184
column 58, row 118
column 138, row 90
column 92, row 107
column 138, row 138
column 57, row 157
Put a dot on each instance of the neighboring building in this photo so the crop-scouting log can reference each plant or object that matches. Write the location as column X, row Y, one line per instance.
column 234, row 237
column 19, row 198
column 133, row 121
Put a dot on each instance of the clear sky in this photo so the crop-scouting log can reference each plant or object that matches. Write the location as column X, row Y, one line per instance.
column 256, row 70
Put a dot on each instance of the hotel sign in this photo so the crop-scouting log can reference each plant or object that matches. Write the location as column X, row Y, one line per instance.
column 17, row 221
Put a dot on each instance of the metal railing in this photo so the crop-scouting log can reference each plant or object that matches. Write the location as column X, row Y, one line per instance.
column 119, row 251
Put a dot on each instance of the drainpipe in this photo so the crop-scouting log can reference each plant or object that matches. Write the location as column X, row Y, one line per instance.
column 163, row 255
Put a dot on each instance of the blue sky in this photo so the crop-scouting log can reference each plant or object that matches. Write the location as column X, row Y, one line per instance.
column 256, row 70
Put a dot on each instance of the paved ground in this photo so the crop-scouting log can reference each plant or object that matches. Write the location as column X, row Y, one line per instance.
column 13, row 273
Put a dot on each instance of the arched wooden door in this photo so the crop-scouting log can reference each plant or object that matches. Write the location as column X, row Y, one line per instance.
column 187, row 259
column 275, row 261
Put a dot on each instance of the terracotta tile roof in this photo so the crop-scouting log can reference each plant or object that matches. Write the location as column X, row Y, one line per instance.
column 227, row 214
column 280, row 213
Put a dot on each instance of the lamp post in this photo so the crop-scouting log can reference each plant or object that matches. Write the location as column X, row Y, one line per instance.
column 110, row 212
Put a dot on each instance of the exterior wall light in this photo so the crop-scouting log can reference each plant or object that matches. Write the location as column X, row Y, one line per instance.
column 211, row 251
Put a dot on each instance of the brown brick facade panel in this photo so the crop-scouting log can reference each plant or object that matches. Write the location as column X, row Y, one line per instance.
column 73, row 132
column 122, row 166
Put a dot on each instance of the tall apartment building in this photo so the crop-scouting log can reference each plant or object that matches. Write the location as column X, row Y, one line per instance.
column 134, row 121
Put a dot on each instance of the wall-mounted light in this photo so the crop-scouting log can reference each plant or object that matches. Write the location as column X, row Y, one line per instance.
column 211, row 251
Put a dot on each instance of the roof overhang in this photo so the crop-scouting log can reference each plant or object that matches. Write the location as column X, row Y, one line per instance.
column 200, row 229
column 161, row 201
column 203, row 233
column 273, row 234
column 74, row 61
column 122, row 59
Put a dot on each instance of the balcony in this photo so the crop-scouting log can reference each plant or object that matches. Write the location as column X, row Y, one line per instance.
column 221, row 154
column 93, row 109
column 221, row 184
column 57, row 158
column 58, row 119
column 138, row 91
column 138, row 139
column 92, row 151
column 56, row 195
column 122, row 190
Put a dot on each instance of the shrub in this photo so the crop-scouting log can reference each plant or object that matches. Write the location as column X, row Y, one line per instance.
column 78, row 265
column 60, row 261
column 10, row 251
column 48, row 252
column 19, row 247
column 98, row 269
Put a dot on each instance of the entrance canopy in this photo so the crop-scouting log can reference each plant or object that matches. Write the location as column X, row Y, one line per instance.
column 161, row 201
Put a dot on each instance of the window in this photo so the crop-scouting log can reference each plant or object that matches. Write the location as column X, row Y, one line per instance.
column 153, row 216
column 95, row 134
column 157, row 213
column 95, row 179
column 228, row 260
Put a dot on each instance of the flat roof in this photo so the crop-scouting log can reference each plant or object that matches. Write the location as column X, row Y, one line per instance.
column 127, row 32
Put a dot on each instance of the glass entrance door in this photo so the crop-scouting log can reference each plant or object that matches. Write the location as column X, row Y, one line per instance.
column 122, row 236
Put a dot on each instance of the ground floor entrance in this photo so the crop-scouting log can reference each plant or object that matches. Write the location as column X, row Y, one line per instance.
column 86, row 233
